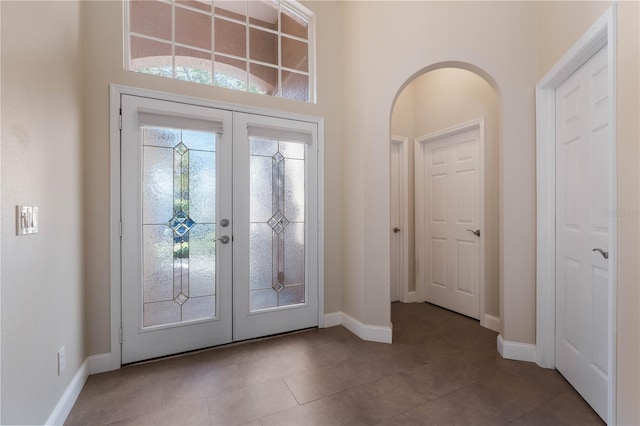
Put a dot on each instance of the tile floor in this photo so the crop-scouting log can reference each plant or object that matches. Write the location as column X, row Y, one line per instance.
column 442, row 369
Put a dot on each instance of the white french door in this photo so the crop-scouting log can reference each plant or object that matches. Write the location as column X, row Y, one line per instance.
column 275, row 248
column 583, row 149
column 219, row 226
column 176, row 190
column 449, row 184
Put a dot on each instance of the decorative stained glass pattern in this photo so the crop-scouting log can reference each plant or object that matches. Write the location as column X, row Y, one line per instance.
column 178, row 227
column 276, row 247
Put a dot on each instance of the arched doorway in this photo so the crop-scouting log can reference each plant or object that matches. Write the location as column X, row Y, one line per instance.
column 437, row 98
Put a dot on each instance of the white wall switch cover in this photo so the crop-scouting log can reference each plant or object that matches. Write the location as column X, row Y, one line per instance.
column 26, row 220
column 62, row 361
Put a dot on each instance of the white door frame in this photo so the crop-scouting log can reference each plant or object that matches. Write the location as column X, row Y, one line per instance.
column 114, row 360
column 403, row 177
column 420, row 142
column 601, row 34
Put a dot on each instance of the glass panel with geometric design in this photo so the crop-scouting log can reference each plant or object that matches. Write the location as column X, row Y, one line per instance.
column 178, row 229
column 277, row 222
column 254, row 46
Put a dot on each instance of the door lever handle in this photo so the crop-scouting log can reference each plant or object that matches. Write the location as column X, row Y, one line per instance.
column 476, row 232
column 396, row 230
column 224, row 239
column 604, row 254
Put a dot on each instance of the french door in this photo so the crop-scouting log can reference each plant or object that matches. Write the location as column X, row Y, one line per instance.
column 219, row 226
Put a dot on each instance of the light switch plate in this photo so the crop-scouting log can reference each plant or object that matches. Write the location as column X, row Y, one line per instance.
column 26, row 220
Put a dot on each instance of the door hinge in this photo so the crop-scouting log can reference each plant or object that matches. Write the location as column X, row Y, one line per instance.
column 120, row 120
column 120, row 229
column 120, row 335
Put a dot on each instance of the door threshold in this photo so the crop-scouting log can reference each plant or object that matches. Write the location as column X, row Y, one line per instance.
column 226, row 345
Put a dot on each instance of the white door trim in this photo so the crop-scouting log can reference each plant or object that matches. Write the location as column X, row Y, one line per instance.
column 403, row 175
column 602, row 33
column 115, row 92
column 478, row 123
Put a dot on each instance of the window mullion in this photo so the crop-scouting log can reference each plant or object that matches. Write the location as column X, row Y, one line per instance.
column 213, row 43
column 279, row 50
column 248, row 46
column 173, row 39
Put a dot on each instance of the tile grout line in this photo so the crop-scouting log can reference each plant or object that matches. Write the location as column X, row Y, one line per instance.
column 290, row 391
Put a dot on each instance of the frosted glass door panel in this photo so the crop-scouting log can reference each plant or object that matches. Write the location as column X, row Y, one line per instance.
column 178, row 228
column 276, row 211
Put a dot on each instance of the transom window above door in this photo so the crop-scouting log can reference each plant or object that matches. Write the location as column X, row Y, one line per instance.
column 261, row 47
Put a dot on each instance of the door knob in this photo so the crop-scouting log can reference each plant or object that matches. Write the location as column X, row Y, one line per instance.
column 476, row 232
column 224, row 239
column 396, row 230
column 604, row 254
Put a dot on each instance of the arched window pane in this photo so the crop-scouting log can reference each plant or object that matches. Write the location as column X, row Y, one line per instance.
column 295, row 86
column 159, row 26
column 264, row 14
column 193, row 65
column 267, row 77
column 193, row 28
column 263, row 46
column 293, row 25
column 256, row 46
column 295, row 54
column 231, row 38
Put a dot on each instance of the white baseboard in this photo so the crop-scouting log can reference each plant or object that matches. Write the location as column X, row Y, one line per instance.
column 332, row 319
column 100, row 363
column 70, row 395
column 93, row 364
column 491, row 322
column 412, row 297
column 516, row 351
column 372, row 333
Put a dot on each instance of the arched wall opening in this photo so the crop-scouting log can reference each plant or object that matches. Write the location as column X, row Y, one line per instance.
column 439, row 97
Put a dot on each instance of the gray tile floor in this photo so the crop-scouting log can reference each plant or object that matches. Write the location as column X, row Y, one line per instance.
column 442, row 369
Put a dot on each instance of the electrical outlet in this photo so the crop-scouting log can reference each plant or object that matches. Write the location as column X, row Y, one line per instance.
column 62, row 362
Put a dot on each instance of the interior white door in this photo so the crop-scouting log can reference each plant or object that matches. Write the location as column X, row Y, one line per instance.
column 451, row 214
column 275, row 245
column 176, row 191
column 583, row 139
column 396, row 223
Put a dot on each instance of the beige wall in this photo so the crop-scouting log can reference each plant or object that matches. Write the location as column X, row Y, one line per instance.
column 104, row 41
column 444, row 98
column 560, row 25
column 377, row 64
column 42, row 166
